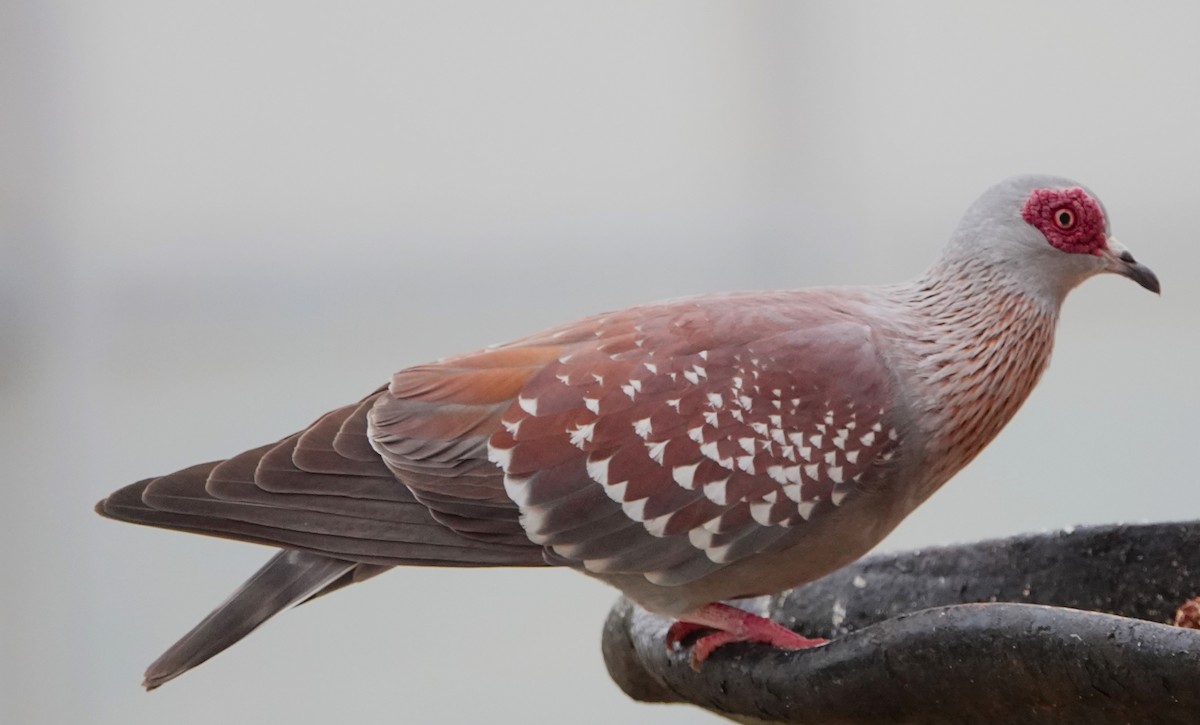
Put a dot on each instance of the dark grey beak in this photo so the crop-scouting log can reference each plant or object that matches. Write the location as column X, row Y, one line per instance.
column 1140, row 273
column 1118, row 259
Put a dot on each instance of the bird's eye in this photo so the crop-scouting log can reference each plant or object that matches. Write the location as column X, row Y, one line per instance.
column 1064, row 219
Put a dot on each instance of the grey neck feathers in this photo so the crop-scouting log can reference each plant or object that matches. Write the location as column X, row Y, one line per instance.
column 979, row 341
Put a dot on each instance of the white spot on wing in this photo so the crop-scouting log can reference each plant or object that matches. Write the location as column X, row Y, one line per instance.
column 532, row 520
column 657, row 526
column 715, row 491
column 635, row 510
column 761, row 512
column 692, row 377
column 656, row 451
column 592, row 404
column 838, row 494
column 582, row 434
column 529, row 405
column 517, row 488
column 685, row 475
column 701, row 537
column 642, row 427
column 868, row 438
column 617, row 491
column 598, row 470
column 709, row 450
column 835, row 475
column 502, row 457
column 715, row 400
column 651, row 367
column 806, row 508
column 716, row 524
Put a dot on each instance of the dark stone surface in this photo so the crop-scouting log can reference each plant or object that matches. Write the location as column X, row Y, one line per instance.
column 973, row 633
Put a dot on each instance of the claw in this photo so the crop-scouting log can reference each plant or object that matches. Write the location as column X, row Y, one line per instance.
column 680, row 631
column 731, row 625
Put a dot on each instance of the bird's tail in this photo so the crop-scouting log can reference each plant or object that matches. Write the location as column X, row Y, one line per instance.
column 289, row 578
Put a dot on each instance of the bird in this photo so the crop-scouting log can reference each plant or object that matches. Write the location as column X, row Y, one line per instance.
column 688, row 452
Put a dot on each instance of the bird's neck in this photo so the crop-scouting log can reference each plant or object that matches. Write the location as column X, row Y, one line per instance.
column 980, row 343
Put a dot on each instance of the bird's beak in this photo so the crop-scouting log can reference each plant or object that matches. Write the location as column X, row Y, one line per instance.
column 1118, row 259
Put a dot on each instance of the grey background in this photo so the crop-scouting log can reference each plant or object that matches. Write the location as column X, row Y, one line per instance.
column 221, row 219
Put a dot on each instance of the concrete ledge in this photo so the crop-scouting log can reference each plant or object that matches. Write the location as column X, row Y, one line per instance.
column 1066, row 627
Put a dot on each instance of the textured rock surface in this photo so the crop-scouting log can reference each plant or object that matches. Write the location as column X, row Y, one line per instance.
column 1071, row 626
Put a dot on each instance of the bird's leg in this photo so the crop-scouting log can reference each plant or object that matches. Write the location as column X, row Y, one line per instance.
column 731, row 624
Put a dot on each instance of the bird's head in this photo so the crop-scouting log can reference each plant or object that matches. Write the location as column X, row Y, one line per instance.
column 1046, row 233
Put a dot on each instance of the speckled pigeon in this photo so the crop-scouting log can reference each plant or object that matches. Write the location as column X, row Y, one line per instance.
column 686, row 452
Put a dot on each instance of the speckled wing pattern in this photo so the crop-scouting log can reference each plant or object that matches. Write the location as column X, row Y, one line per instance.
column 671, row 441
column 668, row 440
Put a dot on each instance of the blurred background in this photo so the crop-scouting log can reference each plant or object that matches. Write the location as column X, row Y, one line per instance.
column 220, row 219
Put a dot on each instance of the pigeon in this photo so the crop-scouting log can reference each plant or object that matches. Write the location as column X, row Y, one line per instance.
column 687, row 452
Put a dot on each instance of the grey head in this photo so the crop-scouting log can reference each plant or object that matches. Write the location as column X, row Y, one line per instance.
column 1043, row 234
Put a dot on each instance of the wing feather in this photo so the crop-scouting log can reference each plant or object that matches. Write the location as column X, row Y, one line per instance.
column 707, row 434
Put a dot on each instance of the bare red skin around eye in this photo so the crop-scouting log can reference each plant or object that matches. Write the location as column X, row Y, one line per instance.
column 1085, row 237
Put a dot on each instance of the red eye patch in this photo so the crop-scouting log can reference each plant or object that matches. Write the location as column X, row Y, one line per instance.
column 1069, row 219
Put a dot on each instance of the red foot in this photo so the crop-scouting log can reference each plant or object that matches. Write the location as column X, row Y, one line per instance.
column 731, row 625
column 680, row 631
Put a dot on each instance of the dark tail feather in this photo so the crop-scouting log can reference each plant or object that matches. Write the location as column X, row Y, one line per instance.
column 288, row 578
